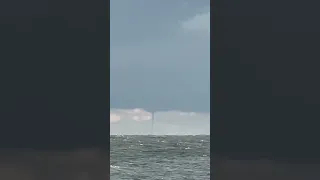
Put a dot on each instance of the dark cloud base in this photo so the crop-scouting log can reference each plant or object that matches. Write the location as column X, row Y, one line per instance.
column 157, row 91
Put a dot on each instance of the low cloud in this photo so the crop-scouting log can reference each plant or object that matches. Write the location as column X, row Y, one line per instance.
column 114, row 118
column 138, row 122
column 136, row 114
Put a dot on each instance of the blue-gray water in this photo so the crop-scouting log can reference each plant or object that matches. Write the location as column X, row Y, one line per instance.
column 160, row 157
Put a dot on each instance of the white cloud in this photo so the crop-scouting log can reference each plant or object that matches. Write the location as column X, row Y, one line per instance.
column 114, row 118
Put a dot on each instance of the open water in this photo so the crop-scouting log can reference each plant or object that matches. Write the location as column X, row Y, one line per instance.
column 160, row 157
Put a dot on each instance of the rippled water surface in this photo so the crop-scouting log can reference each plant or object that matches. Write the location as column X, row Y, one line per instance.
column 160, row 157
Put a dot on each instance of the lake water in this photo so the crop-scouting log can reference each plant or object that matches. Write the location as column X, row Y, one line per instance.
column 160, row 157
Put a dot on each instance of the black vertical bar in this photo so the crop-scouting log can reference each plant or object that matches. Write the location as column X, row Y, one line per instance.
column 54, row 95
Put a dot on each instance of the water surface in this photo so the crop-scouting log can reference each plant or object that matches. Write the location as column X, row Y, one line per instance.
column 160, row 157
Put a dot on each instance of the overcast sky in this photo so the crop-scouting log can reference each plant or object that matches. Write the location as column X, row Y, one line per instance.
column 160, row 57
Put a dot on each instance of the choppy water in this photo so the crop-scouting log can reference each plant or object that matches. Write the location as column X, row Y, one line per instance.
column 160, row 157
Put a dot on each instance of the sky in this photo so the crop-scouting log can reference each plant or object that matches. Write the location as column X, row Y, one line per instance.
column 159, row 54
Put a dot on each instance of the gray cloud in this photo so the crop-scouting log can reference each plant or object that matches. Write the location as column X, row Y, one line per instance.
column 198, row 23
column 166, row 69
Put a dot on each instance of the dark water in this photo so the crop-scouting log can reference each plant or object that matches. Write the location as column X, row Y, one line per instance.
column 160, row 157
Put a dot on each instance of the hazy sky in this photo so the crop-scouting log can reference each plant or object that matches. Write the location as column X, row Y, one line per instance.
column 160, row 57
